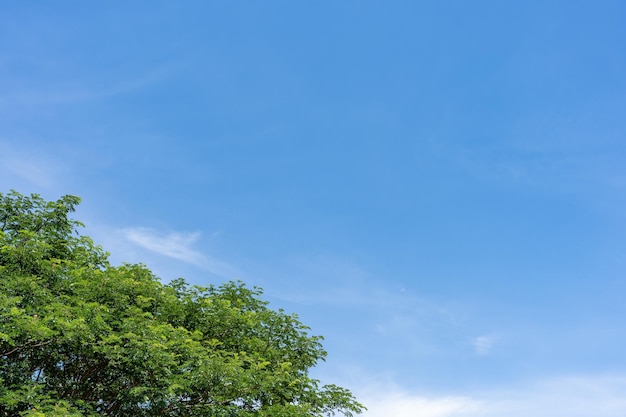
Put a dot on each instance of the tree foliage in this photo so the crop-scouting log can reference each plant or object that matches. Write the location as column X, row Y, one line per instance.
column 80, row 337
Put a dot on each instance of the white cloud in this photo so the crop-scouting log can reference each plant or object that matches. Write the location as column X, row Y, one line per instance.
column 176, row 246
column 404, row 405
column 483, row 345
column 580, row 396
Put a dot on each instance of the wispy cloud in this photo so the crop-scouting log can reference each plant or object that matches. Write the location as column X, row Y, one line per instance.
column 483, row 345
column 173, row 245
column 581, row 396
column 404, row 405
column 584, row 168
column 70, row 91
column 31, row 171
column 352, row 284
column 177, row 246
column 27, row 168
column 567, row 396
column 383, row 398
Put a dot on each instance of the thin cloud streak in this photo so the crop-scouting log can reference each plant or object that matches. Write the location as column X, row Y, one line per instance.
column 28, row 168
column 31, row 172
column 177, row 246
column 483, row 345
column 92, row 89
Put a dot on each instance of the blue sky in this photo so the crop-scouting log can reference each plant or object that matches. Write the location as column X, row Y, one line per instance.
column 438, row 188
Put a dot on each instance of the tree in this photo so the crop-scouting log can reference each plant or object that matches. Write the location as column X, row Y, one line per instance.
column 80, row 337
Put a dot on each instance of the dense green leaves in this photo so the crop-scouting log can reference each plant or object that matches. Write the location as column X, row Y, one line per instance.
column 79, row 337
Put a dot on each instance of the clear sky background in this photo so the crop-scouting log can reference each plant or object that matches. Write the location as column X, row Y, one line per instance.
column 437, row 187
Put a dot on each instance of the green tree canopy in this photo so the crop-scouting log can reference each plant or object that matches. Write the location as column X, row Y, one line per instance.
column 80, row 337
